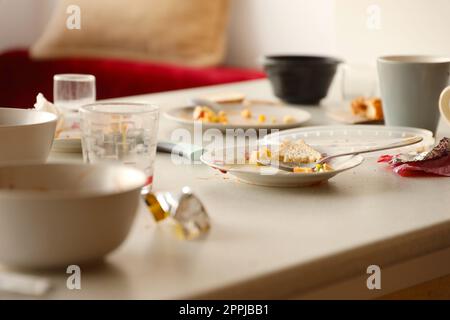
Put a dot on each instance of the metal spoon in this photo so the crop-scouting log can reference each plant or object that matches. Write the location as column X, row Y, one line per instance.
column 289, row 166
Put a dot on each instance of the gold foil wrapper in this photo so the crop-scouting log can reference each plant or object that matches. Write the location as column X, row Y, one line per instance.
column 184, row 208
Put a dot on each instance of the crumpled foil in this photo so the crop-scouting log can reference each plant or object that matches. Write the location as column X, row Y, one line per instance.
column 184, row 208
column 435, row 161
column 440, row 150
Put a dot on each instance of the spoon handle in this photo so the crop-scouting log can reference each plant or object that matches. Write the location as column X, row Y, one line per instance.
column 397, row 144
column 207, row 103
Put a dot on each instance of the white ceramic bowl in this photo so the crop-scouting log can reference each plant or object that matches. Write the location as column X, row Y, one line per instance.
column 27, row 135
column 55, row 215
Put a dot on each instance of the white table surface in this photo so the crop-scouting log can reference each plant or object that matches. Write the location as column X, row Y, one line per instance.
column 275, row 242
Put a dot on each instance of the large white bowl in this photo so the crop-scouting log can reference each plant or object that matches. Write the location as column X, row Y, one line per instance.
column 26, row 135
column 55, row 215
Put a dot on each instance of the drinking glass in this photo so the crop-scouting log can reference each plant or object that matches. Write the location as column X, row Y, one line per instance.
column 123, row 133
column 70, row 92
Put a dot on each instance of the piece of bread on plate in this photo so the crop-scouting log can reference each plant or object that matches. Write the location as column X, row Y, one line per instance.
column 358, row 106
column 225, row 97
column 370, row 108
column 374, row 109
column 298, row 151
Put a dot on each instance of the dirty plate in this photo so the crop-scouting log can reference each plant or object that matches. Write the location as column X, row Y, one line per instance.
column 68, row 142
column 64, row 145
column 232, row 161
column 274, row 117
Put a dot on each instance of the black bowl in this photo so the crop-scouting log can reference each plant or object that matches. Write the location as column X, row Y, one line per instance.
column 300, row 79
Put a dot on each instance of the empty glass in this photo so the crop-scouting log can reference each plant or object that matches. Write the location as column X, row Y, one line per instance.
column 70, row 93
column 121, row 132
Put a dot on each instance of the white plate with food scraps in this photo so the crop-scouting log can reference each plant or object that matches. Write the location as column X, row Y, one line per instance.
column 358, row 111
column 347, row 117
column 259, row 117
column 348, row 138
column 235, row 161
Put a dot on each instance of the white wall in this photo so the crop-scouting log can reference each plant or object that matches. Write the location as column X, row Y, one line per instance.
column 21, row 21
column 405, row 27
column 337, row 27
column 260, row 27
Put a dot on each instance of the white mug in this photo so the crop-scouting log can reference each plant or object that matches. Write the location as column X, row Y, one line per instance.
column 444, row 104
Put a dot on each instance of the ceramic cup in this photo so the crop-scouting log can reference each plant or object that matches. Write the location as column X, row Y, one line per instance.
column 444, row 104
column 410, row 88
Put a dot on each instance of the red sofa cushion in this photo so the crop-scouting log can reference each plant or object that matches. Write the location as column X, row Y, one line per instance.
column 21, row 78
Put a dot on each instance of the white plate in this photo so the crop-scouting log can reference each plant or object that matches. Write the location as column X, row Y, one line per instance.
column 340, row 111
column 68, row 141
column 183, row 115
column 268, row 176
column 337, row 139
column 67, row 145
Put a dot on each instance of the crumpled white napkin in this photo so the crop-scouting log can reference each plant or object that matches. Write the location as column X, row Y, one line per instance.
column 42, row 104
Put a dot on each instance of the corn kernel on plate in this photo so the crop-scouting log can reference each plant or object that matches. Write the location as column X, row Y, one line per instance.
column 238, row 162
column 238, row 116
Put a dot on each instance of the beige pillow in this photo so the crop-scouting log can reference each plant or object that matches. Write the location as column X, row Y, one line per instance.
column 186, row 32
